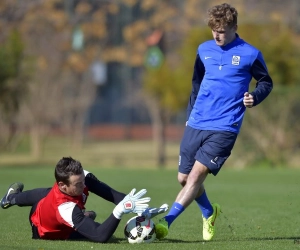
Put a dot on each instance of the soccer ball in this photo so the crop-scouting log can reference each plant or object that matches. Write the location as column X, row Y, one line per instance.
column 140, row 230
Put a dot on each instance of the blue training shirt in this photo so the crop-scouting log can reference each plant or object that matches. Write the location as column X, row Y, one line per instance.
column 222, row 75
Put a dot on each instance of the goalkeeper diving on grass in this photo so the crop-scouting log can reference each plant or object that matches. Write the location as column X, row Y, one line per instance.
column 58, row 213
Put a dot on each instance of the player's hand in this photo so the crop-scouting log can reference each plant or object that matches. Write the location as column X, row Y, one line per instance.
column 151, row 212
column 90, row 214
column 132, row 203
column 248, row 100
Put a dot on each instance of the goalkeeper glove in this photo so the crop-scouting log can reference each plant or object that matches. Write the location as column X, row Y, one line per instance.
column 151, row 212
column 132, row 203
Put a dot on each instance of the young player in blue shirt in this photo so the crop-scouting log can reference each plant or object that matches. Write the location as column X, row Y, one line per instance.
column 220, row 95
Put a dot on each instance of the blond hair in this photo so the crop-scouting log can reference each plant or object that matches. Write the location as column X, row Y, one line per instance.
column 221, row 16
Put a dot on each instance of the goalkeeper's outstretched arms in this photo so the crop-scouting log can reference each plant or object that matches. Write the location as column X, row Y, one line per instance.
column 103, row 190
column 132, row 203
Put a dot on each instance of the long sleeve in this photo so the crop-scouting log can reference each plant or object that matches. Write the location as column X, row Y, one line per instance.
column 264, row 83
column 103, row 190
column 198, row 74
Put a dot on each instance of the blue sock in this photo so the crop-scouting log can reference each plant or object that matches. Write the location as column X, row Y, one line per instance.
column 174, row 212
column 204, row 205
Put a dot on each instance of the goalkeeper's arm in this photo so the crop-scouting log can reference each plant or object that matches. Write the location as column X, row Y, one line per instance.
column 132, row 203
column 102, row 189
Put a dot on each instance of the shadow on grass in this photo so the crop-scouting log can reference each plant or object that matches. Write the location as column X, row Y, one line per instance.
column 112, row 240
column 296, row 240
column 115, row 240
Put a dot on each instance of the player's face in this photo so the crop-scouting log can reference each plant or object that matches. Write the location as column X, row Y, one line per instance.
column 224, row 35
column 76, row 185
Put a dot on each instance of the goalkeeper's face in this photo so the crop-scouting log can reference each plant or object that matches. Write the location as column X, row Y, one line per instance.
column 75, row 187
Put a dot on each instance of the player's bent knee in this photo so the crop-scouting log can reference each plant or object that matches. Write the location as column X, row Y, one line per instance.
column 182, row 178
column 200, row 169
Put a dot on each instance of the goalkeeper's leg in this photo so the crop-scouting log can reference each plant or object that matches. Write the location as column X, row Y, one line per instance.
column 15, row 196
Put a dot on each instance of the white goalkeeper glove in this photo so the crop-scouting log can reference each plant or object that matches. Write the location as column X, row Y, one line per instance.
column 151, row 212
column 132, row 203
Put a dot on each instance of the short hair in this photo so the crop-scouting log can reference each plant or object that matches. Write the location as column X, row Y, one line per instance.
column 65, row 168
column 220, row 16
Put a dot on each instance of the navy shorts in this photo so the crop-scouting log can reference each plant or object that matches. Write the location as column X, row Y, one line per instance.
column 209, row 147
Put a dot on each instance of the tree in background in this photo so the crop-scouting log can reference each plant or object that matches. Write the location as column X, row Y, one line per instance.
column 13, row 85
column 168, row 88
column 60, row 89
column 116, row 32
column 274, row 142
column 280, row 48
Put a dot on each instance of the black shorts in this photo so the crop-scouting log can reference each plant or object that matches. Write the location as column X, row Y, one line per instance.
column 35, row 233
column 209, row 147
column 33, row 197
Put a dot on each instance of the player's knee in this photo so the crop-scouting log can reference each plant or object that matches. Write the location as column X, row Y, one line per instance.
column 198, row 174
column 182, row 178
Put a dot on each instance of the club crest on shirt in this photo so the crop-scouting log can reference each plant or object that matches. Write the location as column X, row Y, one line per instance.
column 236, row 60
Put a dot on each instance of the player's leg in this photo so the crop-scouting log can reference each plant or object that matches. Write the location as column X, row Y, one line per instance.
column 201, row 198
column 34, row 229
column 193, row 184
column 209, row 211
column 204, row 203
column 30, row 197
column 14, row 188
column 189, row 145
column 184, row 198
column 15, row 196
column 215, row 150
column 214, row 147
column 194, row 189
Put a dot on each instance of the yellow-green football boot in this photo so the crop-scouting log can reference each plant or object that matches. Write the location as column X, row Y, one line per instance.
column 209, row 223
column 161, row 229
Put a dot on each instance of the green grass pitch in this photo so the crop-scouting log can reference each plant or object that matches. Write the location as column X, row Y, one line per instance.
column 261, row 209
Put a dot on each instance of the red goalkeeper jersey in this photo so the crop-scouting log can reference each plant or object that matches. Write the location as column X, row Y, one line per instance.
column 54, row 216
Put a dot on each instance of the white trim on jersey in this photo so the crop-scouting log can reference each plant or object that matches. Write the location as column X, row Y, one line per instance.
column 66, row 211
column 85, row 172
